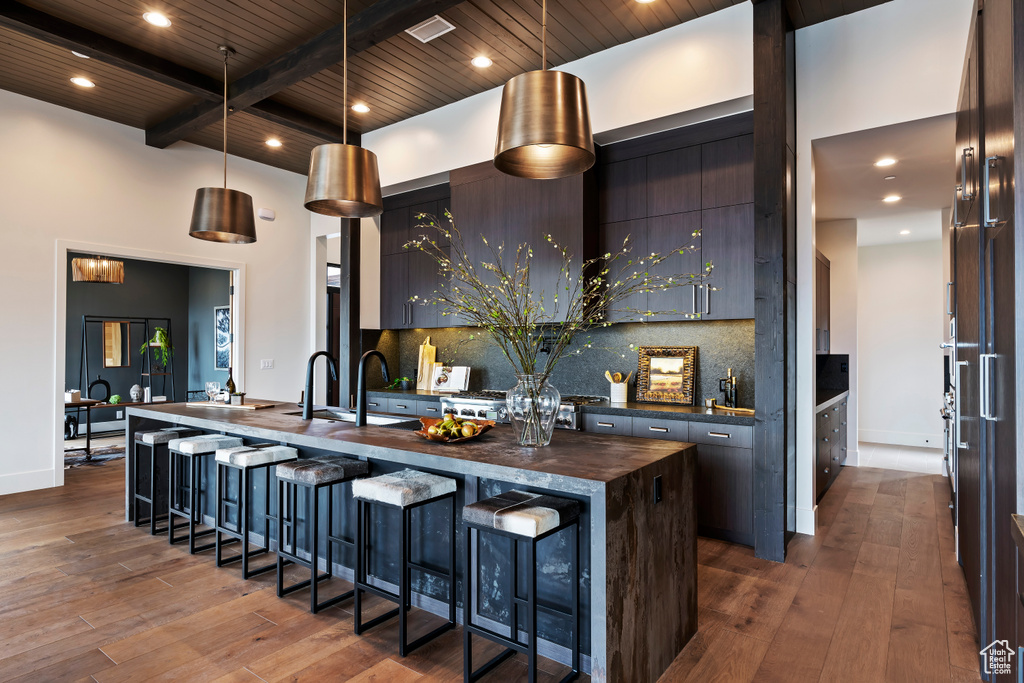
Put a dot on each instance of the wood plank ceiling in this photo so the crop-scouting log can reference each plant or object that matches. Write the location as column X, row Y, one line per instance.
column 397, row 76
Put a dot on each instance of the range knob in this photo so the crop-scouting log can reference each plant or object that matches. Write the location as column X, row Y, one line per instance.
column 468, row 412
column 481, row 413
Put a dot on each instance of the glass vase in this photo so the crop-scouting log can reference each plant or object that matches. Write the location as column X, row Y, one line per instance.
column 532, row 409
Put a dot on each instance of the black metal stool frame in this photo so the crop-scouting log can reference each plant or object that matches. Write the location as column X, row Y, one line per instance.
column 185, row 499
column 404, row 596
column 287, row 505
column 241, row 505
column 150, row 500
column 512, row 643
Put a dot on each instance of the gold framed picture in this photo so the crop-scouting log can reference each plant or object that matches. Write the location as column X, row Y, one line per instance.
column 665, row 374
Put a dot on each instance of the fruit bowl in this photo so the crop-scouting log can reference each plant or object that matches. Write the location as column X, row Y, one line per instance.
column 481, row 427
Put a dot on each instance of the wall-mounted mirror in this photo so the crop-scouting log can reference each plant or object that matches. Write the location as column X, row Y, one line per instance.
column 116, row 344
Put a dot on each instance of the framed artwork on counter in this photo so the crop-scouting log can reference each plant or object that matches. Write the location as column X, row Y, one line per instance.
column 665, row 374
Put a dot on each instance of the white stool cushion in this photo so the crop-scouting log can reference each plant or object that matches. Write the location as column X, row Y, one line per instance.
column 166, row 435
column 259, row 454
column 403, row 488
column 199, row 445
column 522, row 513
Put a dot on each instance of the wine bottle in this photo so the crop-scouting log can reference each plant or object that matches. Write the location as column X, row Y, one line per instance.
column 230, row 385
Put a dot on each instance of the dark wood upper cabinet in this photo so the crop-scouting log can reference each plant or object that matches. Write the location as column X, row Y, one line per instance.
column 664, row 234
column 727, row 241
column 622, row 190
column 394, row 230
column 727, row 176
column 610, row 239
column 674, row 181
column 394, row 291
column 822, row 303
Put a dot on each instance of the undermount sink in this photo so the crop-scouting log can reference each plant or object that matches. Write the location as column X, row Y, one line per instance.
column 341, row 415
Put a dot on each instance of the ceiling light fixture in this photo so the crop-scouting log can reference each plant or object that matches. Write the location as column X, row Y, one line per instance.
column 892, row 198
column 273, row 142
column 481, row 62
column 544, row 122
column 644, row 2
column 220, row 214
column 157, row 19
column 882, row 163
column 904, row 232
column 99, row 269
column 79, row 54
column 343, row 179
column 83, row 82
column 360, row 108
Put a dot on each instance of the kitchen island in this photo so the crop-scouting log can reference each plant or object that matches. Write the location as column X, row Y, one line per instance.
column 638, row 528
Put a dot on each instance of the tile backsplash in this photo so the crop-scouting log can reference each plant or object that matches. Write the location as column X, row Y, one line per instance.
column 721, row 345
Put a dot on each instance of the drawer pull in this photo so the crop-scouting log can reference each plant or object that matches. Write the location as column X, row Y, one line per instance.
column 826, row 470
column 605, row 424
column 433, row 410
column 399, row 405
column 720, row 435
column 664, row 430
column 836, row 408
column 843, row 423
column 372, row 404
column 835, row 431
column 825, row 439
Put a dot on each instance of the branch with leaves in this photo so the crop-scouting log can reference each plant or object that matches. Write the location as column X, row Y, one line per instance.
column 497, row 295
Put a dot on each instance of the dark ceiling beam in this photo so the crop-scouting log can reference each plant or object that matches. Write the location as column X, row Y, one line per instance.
column 372, row 26
column 54, row 31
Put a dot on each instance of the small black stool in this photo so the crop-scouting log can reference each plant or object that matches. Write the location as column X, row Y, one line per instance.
column 404, row 491
column 244, row 460
column 311, row 475
column 187, row 487
column 529, row 518
column 156, row 441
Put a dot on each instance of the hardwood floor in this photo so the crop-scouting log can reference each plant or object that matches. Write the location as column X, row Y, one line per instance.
column 876, row 595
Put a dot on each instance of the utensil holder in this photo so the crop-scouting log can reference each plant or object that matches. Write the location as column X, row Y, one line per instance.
column 618, row 392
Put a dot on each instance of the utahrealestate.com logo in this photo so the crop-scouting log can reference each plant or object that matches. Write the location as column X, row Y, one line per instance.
column 997, row 658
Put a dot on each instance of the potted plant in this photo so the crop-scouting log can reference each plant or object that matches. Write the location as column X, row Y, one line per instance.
column 523, row 323
column 405, row 382
column 161, row 341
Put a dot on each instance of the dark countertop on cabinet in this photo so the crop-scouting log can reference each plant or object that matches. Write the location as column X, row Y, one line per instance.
column 1017, row 531
column 824, row 398
column 632, row 409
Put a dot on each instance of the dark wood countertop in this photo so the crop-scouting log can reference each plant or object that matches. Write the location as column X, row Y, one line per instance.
column 593, row 458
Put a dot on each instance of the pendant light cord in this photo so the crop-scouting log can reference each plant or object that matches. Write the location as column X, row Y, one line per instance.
column 544, row 36
column 224, row 144
column 344, row 78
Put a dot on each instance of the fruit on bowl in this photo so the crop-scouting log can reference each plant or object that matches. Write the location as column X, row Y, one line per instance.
column 452, row 429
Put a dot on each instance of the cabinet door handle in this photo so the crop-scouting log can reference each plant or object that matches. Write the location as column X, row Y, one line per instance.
column 720, row 435
column 663, row 430
column 707, row 299
column 986, row 385
column 949, row 299
column 605, row 424
column 693, row 307
column 968, row 152
column 956, row 378
column 827, row 344
column 956, row 207
column 990, row 221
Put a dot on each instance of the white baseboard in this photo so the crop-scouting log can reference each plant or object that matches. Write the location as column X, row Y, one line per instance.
column 901, row 438
column 806, row 520
column 26, row 481
column 852, row 458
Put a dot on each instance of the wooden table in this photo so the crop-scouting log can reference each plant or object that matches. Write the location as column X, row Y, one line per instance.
column 89, row 404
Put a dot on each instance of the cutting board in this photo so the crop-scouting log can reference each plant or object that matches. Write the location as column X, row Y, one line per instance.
column 244, row 406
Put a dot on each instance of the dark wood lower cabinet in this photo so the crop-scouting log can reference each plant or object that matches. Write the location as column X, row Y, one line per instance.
column 830, row 443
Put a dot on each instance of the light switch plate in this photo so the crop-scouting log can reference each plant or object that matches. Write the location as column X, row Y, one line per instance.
column 267, row 364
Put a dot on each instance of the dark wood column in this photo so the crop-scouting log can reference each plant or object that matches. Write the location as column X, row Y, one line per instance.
column 349, row 346
column 774, row 279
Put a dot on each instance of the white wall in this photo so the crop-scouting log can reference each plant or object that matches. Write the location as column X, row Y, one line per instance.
column 71, row 179
column 900, row 299
column 899, row 61
column 837, row 240
column 700, row 63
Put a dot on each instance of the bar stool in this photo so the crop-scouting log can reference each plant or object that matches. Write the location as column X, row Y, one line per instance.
column 311, row 475
column 187, row 485
column 244, row 460
column 156, row 441
column 522, row 518
column 404, row 491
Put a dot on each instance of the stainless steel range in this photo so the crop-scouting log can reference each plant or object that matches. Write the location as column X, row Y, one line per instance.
column 490, row 405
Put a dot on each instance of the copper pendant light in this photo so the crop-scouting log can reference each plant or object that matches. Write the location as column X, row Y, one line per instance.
column 220, row 214
column 99, row 269
column 343, row 178
column 544, row 124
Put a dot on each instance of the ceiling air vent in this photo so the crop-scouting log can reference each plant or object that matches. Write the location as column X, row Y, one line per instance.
column 431, row 28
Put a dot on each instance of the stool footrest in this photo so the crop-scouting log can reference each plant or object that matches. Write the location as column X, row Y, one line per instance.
column 446, row 626
column 376, row 621
column 285, row 590
column 439, row 573
column 493, row 663
column 546, row 608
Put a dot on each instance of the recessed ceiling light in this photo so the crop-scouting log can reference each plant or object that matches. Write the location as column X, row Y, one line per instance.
column 157, row 19
column 273, row 142
column 79, row 54
column 904, row 232
column 889, row 177
column 481, row 62
column 881, row 163
column 83, row 82
column 361, row 108
column 892, row 198
column 644, row 2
